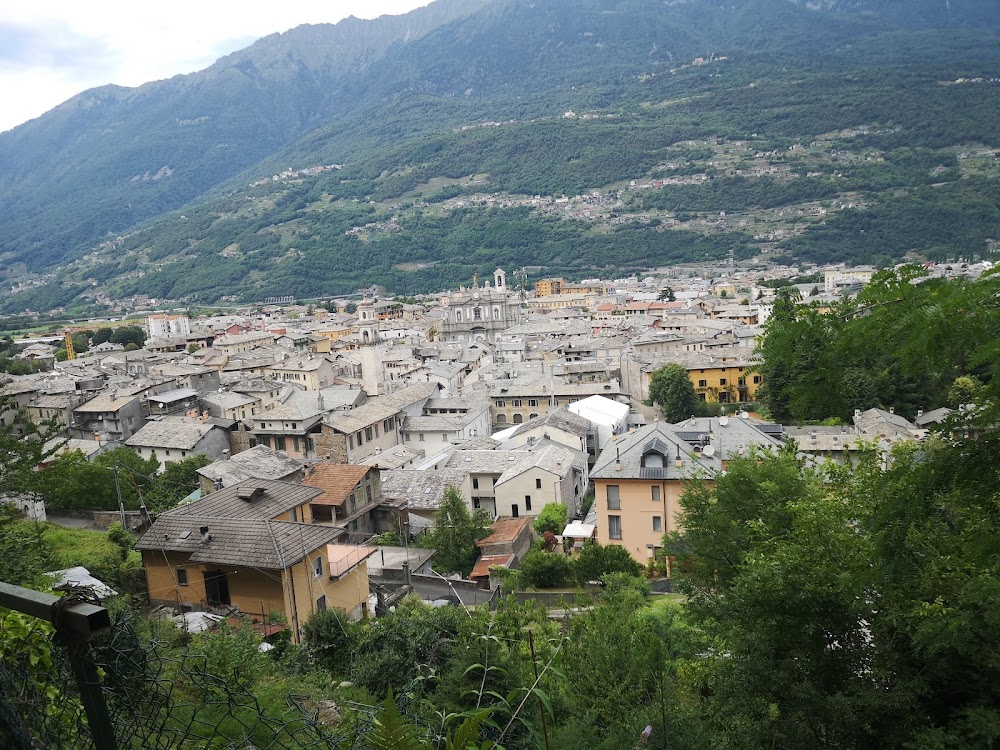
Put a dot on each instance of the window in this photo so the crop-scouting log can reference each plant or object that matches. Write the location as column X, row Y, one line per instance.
column 350, row 441
column 656, row 493
column 317, row 567
column 501, row 404
column 182, row 577
column 702, row 383
column 538, row 484
column 420, row 437
column 279, row 442
column 517, row 403
column 657, row 523
column 475, row 503
column 477, row 314
column 527, row 502
column 532, row 402
column 501, row 419
column 518, row 419
column 614, row 527
column 168, row 453
column 368, row 493
column 368, row 433
column 653, row 460
column 514, row 510
column 756, row 378
column 321, row 603
column 614, row 498
column 722, row 381
column 475, row 483
column 295, row 443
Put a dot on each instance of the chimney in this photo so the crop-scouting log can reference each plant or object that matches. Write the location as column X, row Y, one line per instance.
column 618, row 460
column 205, row 536
column 225, row 454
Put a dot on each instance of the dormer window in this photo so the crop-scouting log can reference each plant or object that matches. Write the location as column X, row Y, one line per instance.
column 653, row 460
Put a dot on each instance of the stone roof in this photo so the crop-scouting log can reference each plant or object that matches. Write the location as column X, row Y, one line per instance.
column 336, row 481
column 180, row 433
column 250, row 542
column 440, row 422
column 271, row 500
column 486, row 462
column 628, row 450
column 260, row 462
column 393, row 458
column 560, row 419
column 380, row 407
column 420, row 490
column 541, row 389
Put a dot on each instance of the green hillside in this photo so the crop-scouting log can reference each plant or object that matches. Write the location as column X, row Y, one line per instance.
column 857, row 131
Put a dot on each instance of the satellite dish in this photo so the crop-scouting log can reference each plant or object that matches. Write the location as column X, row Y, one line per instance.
column 708, row 450
column 744, row 414
column 723, row 421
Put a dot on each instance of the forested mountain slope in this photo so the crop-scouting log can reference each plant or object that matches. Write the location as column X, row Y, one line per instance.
column 412, row 152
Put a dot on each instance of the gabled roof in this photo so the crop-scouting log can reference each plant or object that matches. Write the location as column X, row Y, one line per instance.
column 420, row 490
column 259, row 462
column 336, row 481
column 274, row 499
column 559, row 419
column 179, row 434
column 255, row 542
column 379, row 408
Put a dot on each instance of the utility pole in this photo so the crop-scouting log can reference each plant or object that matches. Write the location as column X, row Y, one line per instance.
column 121, row 505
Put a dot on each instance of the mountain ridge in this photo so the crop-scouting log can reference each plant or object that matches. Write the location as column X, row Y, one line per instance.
column 404, row 123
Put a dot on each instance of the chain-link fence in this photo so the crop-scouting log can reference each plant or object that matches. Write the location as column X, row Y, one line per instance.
column 71, row 676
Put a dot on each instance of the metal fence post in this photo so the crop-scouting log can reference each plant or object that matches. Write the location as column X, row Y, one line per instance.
column 88, row 680
column 75, row 620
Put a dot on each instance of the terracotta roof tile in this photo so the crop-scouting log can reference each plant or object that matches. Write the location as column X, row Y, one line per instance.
column 337, row 481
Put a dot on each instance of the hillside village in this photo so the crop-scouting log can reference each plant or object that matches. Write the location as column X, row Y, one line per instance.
column 331, row 436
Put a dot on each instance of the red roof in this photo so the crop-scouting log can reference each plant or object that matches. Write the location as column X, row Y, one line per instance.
column 484, row 563
column 336, row 480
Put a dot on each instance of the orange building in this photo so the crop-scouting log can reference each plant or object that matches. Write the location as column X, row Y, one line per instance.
column 245, row 550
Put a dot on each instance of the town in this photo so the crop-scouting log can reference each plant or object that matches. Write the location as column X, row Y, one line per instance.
column 330, row 436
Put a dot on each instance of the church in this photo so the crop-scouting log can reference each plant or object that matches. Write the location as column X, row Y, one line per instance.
column 479, row 313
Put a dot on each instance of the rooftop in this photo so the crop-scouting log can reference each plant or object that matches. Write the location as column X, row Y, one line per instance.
column 336, row 481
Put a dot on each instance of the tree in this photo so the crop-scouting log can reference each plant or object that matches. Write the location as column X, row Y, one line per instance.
column 22, row 446
column 25, row 554
column 964, row 390
column 671, row 389
column 666, row 295
column 350, row 308
column 552, row 519
column 101, row 335
column 456, row 533
column 178, row 480
column 129, row 335
column 835, row 598
column 546, row 570
column 596, row 560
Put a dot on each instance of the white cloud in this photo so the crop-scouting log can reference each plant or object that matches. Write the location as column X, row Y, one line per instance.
column 52, row 50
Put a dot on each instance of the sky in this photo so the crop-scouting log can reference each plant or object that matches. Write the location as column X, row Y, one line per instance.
column 51, row 50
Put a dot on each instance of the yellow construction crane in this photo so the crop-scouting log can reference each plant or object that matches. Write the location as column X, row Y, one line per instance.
column 70, row 351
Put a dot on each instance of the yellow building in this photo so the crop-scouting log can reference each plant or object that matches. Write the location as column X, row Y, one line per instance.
column 640, row 477
column 243, row 550
column 724, row 382
column 548, row 287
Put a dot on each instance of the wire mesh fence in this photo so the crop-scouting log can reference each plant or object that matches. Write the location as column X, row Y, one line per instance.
column 127, row 688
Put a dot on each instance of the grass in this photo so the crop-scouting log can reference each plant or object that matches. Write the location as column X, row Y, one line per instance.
column 72, row 547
